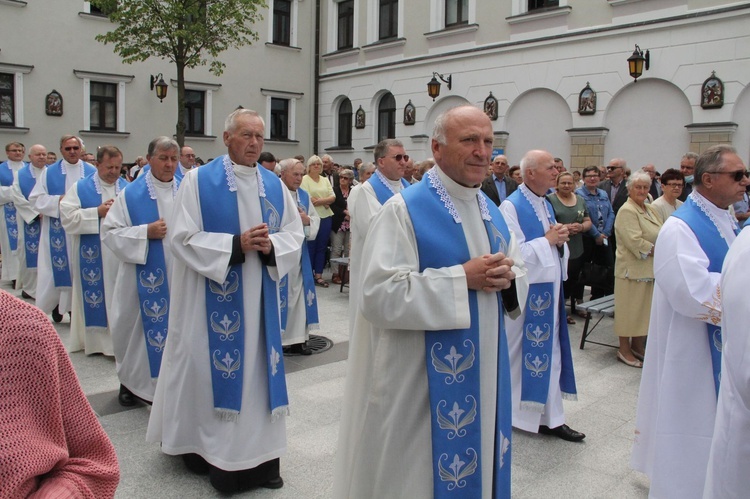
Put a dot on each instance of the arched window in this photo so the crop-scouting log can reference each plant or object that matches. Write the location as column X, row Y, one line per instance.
column 387, row 117
column 345, row 123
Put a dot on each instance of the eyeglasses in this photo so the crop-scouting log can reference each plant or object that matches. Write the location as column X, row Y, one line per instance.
column 399, row 157
column 680, row 185
column 738, row 175
column 71, row 148
column 610, row 168
column 595, row 175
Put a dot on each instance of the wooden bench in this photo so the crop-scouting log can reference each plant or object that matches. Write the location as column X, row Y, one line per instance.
column 605, row 306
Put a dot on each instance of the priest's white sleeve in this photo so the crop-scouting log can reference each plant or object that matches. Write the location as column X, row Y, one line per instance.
column 394, row 293
column 77, row 220
column 46, row 204
column 23, row 207
column 128, row 242
column 681, row 271
column 287, row 242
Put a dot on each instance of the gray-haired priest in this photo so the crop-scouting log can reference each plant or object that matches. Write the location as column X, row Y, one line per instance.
column 221, row 400
column 135, row 231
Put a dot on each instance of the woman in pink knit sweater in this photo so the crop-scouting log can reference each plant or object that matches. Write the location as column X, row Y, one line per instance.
column 51, row 443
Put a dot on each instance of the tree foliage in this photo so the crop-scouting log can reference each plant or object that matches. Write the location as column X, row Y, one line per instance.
column 189, row 33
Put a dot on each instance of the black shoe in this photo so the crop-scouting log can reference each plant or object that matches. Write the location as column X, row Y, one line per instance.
column 13, row 284
column 56, row 315
column 126, row 397
column 274, row 483
column 196, row 464
column 301, row 349
column 24, row 294
column 563, row 431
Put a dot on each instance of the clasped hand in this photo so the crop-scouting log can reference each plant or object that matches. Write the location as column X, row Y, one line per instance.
column 489, row 273
column 558, row 234
column 256, row 239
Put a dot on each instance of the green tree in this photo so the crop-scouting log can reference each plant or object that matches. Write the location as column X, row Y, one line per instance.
column 189, row 33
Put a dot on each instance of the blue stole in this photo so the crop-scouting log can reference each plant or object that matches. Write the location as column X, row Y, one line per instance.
column 383, row 191
column 90, row 258
column 308, row 283
column 57, row 243
column 452, row 365
column 217, row 192
column 539, row 324
column 715, row 248
column 9, row 209
column 151, row 277
column 33, row 231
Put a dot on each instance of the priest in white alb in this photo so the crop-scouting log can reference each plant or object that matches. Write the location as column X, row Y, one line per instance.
column 9, row 229
column 538, row 340
column 29, row 220
column 135, row 231
column 682, row 367
column 221, row 398
column 727, row 475
column 297, row 295
column 426, row 410
column 93, row 267
column 53, row 285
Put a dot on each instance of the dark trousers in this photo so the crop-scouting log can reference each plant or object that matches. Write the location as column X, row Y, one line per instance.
column 601, row 255
column 319, row 245
column 233, row 481
column 572, row 288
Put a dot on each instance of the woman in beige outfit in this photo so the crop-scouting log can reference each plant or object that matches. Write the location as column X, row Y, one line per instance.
column 636, row 227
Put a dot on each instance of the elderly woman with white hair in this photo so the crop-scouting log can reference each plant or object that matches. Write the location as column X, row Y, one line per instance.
column 636, row 226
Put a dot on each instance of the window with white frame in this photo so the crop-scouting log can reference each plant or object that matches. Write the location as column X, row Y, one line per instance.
column 96, row 11
column 283, row 23
column 198, row 107
column 452, row 13
column 280, row 115
column 519, row 7
column 345, row 25
column 384, row 20
column 11, row 94
column 103, row 101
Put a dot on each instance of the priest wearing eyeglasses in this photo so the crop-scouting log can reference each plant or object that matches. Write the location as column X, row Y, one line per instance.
column 682, row 366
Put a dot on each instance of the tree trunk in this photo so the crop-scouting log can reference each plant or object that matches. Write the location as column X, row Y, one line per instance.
column 180, row 128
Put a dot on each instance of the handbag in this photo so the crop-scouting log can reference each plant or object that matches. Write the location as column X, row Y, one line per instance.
column 596, row 275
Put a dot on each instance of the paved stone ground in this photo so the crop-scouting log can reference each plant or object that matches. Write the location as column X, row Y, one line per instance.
column 542, row 465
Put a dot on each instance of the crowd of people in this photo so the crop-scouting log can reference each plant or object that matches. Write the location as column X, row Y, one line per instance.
column 199, row 278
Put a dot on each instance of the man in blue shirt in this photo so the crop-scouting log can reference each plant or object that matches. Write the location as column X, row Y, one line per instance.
column 499, row 186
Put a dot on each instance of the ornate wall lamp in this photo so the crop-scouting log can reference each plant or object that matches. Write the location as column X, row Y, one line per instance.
column 433, row 87
column 161, row 86
column 637, row 61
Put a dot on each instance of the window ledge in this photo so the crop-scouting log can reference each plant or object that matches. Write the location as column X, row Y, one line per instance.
column 398, row 42
column 340, row 54
column 104, row 77
column 621, row 2
column 535, row 15
column 200, row 138
column 104, row 133
column 290, row 48
column 13, row 129
column 14, row 3
column 95, row 17
column 454, row 30
column 281, row 141
column 339, row 148
column 420, row 138
column 370, row 148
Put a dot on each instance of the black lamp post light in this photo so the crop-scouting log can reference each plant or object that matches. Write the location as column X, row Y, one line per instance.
column 161, row 86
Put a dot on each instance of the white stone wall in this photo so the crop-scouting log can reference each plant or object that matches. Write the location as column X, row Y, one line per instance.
column 537, row 69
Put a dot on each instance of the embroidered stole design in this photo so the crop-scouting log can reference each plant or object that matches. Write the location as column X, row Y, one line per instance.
column 91, row 268
column 151, row 277
column 9, row 209
column 32, row 231
column 57, row 242
column 539, row 324
column 308, row 283
column 224, row 301
column 452, row 363
column 383, row 190
column 715, row 247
